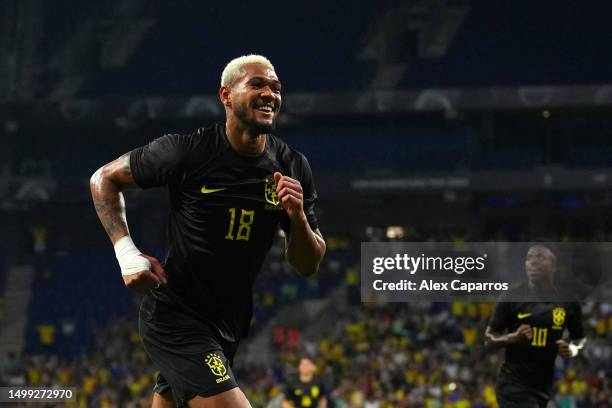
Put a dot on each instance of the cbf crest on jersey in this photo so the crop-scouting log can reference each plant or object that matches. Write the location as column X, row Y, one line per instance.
column 558, row 317
column 214, row 362
column 270, row 196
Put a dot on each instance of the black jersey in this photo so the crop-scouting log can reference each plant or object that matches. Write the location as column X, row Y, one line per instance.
column 304, row 394
column 531, row 366
column 224, row 215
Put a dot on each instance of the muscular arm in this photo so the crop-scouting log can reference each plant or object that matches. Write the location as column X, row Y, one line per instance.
column 106, row 185
column 495, row 340
column 305, row 248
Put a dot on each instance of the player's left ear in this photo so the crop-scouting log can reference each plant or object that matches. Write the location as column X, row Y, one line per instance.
column 226, row 96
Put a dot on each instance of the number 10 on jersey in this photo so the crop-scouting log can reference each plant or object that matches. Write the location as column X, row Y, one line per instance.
column 539, row 337
column 244, row 228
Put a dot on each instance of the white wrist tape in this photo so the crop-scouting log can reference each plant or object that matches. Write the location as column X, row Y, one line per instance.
column 129, row 257
column 574, row 349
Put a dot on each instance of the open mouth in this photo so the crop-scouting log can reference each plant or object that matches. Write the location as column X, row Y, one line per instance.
column 266, row 108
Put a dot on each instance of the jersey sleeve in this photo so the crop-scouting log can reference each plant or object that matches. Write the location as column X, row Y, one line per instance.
column 288, row 393
column 161, row 161
column 502, row 317
column 300, row 170
column 574, row 322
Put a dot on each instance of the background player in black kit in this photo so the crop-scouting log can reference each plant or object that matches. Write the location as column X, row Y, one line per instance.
column 533, row 335
column 305, row 391
column 231, row 185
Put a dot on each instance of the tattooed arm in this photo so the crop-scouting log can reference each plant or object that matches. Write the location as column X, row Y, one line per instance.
column 107, row 184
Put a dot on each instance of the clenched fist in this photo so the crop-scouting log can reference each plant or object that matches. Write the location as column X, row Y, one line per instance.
column 146, row 279
column 290, row 195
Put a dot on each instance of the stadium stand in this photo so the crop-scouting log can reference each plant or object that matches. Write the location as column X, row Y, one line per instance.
column 395, row 355
column 62, row 320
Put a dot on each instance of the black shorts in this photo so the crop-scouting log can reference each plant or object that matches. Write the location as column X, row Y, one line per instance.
column 193, row 359
column 515, row 396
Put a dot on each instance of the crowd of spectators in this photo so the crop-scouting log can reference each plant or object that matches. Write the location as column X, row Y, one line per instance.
column 432, row 355
column 378, row 356
column 418, row 354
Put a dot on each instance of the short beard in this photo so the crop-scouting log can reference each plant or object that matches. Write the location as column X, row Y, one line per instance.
column 252, row 124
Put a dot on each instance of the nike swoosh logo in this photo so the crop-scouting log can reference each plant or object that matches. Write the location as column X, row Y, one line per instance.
column 210, row 190
column 523, row 315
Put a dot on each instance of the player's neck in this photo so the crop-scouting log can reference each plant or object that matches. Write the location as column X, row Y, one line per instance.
column 243, row 140
column 306, row 378
column 541, row 285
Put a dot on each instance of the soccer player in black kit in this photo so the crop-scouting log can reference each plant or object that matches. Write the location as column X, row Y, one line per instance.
column 306, row 391
column 532, row 333
column 231, row 186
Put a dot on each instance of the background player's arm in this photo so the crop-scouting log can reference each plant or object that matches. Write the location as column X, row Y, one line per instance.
column 305, row 247
column 287, row 391
column 571, row 349
column 495, row 340
column 576, row 332
column 106, row 185
column 501, row 320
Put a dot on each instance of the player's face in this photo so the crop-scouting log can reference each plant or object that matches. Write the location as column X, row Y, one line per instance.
column 256, row 98
column 540, row 263
column 307, row 367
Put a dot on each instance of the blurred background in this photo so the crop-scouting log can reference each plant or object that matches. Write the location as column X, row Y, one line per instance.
column 441, row 120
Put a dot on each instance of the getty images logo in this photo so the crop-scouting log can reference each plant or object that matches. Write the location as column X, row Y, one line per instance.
column 412, row 264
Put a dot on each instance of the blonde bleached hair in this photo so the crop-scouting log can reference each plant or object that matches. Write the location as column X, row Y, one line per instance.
column 233, row 70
